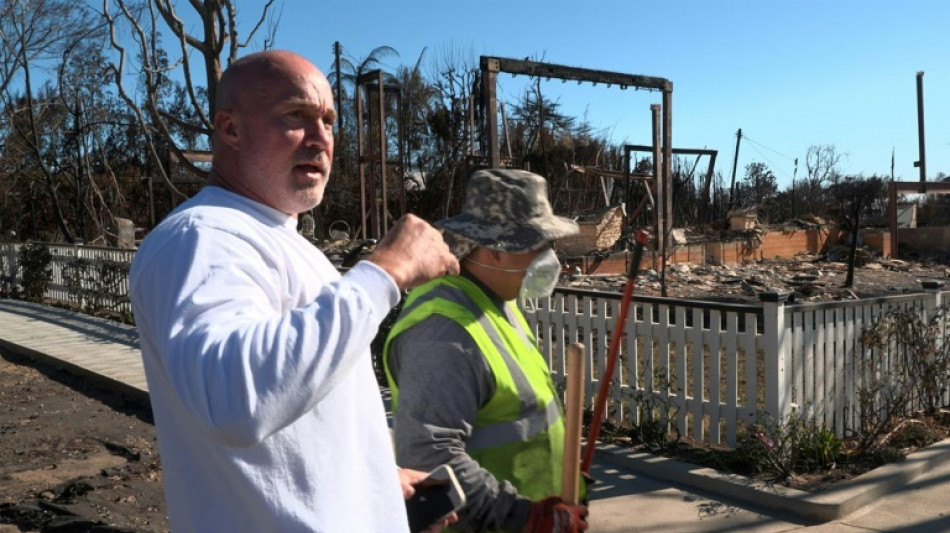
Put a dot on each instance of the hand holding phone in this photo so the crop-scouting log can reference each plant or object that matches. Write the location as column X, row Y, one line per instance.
column 436, row 497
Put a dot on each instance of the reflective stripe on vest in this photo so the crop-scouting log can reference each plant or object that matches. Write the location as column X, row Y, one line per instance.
column 503, row 433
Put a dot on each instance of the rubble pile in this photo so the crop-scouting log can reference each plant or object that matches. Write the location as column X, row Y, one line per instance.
column 805, row 278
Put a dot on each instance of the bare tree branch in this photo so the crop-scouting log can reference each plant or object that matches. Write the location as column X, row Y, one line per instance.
column 179, row 119
column 117, row 69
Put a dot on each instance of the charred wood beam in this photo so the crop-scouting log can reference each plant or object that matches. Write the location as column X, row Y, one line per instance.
column 563, row 72
column 194, row 156
column 676, row 151
column 613, row 174
column 707, row 182
column 662, row 190
column 641, row 205
column 922, row 187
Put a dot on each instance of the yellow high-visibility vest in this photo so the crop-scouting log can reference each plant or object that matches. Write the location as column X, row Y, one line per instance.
column 519, row 434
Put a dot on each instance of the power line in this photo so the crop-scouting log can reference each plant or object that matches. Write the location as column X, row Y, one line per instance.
column 771, row 164
column 767, row 148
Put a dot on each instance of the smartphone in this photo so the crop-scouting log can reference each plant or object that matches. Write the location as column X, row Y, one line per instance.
column 436, row 497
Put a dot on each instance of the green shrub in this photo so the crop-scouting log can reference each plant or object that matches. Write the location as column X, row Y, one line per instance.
column 654, row 411
column 796, row 445
column 37, row 271
column 8, row 287
column 97, row 284
column 819, row 448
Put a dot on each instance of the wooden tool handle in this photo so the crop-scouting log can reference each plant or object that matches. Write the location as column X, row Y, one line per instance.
column 573, row 413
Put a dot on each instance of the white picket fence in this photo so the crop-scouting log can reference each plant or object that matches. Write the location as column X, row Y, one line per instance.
column 826, row 362
column 709, row 367
column 62, row 254
column 706, row 367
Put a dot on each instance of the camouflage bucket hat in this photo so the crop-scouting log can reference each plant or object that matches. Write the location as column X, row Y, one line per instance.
column 508, row 210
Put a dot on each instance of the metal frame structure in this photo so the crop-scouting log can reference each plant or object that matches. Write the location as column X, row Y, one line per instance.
column 492, row 66
column 373, row 158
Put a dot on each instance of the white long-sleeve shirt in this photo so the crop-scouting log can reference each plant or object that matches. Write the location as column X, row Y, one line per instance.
column 257, row 357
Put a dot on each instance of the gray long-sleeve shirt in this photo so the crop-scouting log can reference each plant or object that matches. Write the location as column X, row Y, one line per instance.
column 443, row 380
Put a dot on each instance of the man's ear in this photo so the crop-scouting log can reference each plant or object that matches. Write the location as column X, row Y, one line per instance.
column 226, row 127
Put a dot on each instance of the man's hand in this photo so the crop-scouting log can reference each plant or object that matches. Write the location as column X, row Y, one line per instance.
column 554, row 515
column 409, row 479
column 413, row 252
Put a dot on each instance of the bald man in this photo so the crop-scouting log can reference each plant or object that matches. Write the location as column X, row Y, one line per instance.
column 256, row 350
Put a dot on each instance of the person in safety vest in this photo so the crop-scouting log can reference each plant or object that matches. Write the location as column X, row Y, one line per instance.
column 469, row 386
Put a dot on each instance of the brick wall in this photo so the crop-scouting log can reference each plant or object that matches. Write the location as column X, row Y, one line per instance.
column 784, row 244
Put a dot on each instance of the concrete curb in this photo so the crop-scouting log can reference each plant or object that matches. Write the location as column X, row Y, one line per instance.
column 838, row 501
column 131, row 391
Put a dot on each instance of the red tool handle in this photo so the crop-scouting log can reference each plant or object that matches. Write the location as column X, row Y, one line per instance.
column 601, row 404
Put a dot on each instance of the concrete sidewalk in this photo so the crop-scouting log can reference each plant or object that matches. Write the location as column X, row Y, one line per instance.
column 644, row 493
column 634, row 493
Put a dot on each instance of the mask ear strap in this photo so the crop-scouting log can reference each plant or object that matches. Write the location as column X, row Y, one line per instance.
column 493, row 267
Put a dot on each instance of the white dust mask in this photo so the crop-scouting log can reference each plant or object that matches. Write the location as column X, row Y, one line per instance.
column 541, row 276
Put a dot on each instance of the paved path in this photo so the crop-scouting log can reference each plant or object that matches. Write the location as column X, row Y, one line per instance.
column 623, row 500
column 101, row 349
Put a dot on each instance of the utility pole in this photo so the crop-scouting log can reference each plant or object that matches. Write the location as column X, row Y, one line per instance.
column 735, row 163
column 794, row 175
column 922, row 163
column 337, row 50
column 892, row 164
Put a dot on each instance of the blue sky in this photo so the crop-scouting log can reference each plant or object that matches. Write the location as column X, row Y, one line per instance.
column 790, row 73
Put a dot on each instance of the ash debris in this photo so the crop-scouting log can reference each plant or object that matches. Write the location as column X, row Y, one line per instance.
column 810, row 278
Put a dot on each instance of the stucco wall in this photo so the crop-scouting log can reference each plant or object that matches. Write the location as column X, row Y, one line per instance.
column 924, row 240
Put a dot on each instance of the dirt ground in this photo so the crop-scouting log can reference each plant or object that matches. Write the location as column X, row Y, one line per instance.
column 75, row 457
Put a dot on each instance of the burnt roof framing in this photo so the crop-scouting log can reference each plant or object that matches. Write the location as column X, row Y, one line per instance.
column 707, row 181
column 491, row 66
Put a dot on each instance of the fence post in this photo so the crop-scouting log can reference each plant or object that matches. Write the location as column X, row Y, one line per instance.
column 778, row 380
column 934, row 288
column 8, row 265
column 14, row 255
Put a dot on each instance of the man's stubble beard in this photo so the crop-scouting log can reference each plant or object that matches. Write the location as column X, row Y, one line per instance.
column 313, row 196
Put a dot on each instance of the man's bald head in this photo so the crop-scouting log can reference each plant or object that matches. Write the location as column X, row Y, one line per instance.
column 248, row 76
column 273, row 131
